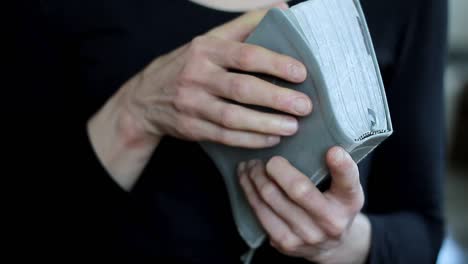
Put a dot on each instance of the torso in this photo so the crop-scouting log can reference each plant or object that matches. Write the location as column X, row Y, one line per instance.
column 181, row 192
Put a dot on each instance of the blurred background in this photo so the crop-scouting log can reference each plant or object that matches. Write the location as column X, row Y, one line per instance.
column 455, row 247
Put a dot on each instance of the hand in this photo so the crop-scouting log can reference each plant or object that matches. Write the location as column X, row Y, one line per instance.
column 183, row 94
column 300, row 220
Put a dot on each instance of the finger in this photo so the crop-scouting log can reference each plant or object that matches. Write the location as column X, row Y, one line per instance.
column 344, row 172
column 298, row 220
column 197, row 129
column 251, row 90
column 274, row 226
column 237, row 117
column 282, row 5
column 332, row 219
column 253, row 58
column 238, row 29
column 298, row 187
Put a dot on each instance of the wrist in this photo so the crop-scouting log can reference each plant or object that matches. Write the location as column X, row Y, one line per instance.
column 131, row 126
column 120, row 140
column 131, row 130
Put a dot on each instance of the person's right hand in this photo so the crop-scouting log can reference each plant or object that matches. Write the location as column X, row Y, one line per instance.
column 183, row 93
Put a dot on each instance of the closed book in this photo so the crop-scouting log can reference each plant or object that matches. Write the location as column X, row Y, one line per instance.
column 349, row 104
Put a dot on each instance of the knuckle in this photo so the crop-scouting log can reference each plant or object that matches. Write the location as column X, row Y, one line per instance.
column 238, row 88
column 322, row 211
column 243, row 179
column 268, row 191
column 193, row 135
column 185, row 127
column 146, row 76
column 301, row 190
column 282, row 65
column 180, row 125
column 335, row 228
column 197, row 46
column 287, row 243
column 357, row 203
column 351, row 167
column 223, row 137
column 286, row 99
column 228, row 116
column 309, row 238
column 348, row 164
column 187, row 76
column 278, row 100
column 360, row 200
column 303, row 232
column 258, row 168
column 194, row 58
column 182, row 100
column 246, row 57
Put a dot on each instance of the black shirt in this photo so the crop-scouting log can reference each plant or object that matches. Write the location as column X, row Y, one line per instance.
column 66, row 58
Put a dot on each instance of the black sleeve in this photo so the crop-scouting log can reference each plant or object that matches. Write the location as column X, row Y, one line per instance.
column 405, row 183
column 60, row 200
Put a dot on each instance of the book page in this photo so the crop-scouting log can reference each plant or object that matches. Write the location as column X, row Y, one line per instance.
column 333, row 30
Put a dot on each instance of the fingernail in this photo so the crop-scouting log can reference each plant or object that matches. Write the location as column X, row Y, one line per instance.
column 297, row 72
column 301, row 106
column 339, row 155
column 273, row 140
column 289, row 126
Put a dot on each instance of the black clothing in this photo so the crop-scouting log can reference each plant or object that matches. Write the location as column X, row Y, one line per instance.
column 68, row 57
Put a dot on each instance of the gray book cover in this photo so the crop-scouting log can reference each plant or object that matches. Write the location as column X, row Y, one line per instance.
column 287, row 32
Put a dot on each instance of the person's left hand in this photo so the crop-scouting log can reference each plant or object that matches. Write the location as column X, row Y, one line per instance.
column 300, row 220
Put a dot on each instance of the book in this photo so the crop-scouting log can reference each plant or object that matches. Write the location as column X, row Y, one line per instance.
column 350, row 108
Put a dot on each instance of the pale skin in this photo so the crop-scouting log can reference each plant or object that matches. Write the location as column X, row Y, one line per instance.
column 182, row 94
column 236, row 5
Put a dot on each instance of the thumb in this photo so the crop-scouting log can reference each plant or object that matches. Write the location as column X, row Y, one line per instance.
column 344, row 173
column 240, row 28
